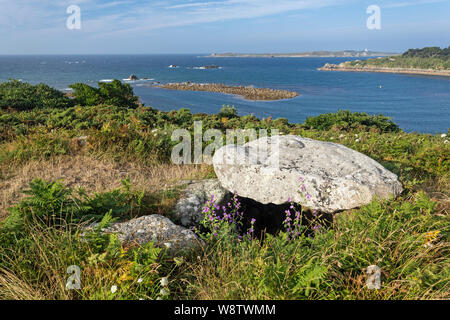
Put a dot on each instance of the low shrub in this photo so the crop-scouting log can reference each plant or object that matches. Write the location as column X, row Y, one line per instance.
column 19, row 95
column 115, row 93
column 348, row 121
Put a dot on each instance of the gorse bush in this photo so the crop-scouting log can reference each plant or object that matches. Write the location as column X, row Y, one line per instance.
column 346, row 120
column 115, row 93
column 228, row 112
column 23, row 96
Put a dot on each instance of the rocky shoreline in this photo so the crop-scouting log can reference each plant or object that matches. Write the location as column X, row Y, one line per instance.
column 248, row 92
column 346, row 68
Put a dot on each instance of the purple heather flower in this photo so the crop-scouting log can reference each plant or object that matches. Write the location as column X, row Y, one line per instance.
column 253, row 221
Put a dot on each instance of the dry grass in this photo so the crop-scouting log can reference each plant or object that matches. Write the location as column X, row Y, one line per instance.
column 93, row 175
column 439, row 191
column 249, row 93
column 14, row 288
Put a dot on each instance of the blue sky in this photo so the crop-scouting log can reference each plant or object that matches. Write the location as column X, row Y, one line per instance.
column 196, row 26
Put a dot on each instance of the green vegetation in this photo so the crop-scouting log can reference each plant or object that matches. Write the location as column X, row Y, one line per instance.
column 429, row 52
column 23, row 96
column 45, row 231
column 51, row 202
column 115, row 93
column 432, row 58
column 346, row 120
column 331, row 264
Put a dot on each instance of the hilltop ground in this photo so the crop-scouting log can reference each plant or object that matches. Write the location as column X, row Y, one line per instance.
column 119, row 152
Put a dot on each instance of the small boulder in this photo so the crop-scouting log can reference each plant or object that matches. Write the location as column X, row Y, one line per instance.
column 188, row 209
column 133, row 78
column 157, row 229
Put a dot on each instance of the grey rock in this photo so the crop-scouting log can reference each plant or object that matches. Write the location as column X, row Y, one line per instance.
column 157, row 229
column 336, row 178
column 188, row 209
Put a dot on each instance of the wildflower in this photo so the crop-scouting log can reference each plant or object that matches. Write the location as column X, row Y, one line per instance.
column 164, row 282
column 168, row 245
column 164, row 292
column 114, row 289
column 443, row 135
column 430, row 237
column 140, row 280
column 308, row 197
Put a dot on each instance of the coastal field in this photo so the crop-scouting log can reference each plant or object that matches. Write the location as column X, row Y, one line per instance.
column 102, row 156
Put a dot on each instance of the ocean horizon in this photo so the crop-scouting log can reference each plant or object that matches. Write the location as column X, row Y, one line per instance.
column 416, row 103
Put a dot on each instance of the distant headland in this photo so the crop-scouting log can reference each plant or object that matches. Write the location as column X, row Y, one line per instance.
column 311, row 54
column 432, row 61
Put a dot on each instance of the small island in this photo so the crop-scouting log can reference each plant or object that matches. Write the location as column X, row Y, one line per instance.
column 432, row 61
column 247, row 92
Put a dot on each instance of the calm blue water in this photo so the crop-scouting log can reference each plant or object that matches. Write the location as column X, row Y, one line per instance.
column 416, row 103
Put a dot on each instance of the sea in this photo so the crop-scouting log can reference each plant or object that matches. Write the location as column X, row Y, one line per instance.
column 416, row 103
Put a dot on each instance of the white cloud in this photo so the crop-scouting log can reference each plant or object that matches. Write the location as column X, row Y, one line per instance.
column 162, row 15
column 412, row 3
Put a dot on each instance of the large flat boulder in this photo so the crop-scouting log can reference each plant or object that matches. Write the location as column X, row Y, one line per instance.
column 268, row 170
